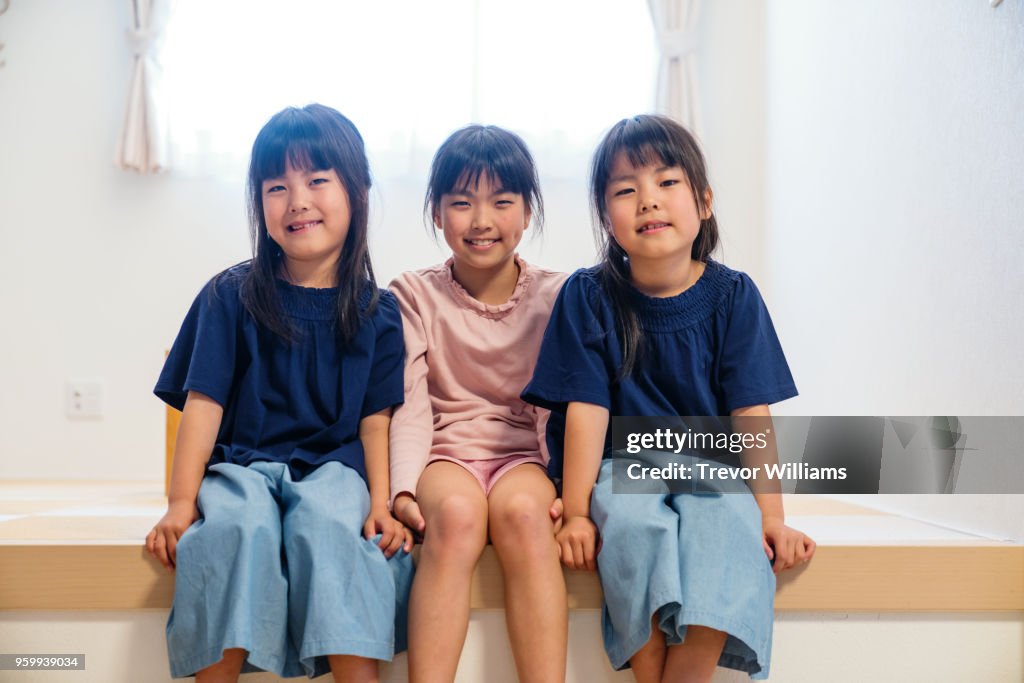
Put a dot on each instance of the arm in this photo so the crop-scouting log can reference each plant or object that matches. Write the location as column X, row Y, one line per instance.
column 197, row 433
column 585, row 427
column 412, row 427
column 784, row 545
column 373, row 432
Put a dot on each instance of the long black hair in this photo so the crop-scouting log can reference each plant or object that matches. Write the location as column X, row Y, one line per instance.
column 644, row 139
column 315, row 137
column 476, row 150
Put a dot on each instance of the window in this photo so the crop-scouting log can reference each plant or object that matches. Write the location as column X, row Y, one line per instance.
column 558, row 72
column 407, row 73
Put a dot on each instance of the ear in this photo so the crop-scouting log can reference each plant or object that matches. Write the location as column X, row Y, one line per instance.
column 528, row 216
column 436, row 215
column 706, row 209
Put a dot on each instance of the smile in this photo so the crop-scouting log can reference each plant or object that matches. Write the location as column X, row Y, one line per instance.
column 653, row 226
column 482, row 244
column 300, row 227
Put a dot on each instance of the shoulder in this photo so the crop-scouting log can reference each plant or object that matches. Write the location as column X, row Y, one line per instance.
column 583, row 297
column 431, row 275
column 225, row 288
column 731, row 287
column 387, row 303
column 231, row 279
column 730, row 281
column 418, row 282
column 587, row 277
column 544, row 284
column 423, row 290
column 737, row 295
column 545, row 277
column 585, row 285
column 384, row 313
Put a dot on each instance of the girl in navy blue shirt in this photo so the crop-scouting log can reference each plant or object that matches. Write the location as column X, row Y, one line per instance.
column 661, row 329
column 286, row 370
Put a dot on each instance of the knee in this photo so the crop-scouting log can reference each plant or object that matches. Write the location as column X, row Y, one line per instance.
column 456, row 527
column 523, row 521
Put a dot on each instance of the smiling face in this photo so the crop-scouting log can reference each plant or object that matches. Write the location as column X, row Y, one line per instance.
column 651, row 211
column 483, row 224
column 307, row 214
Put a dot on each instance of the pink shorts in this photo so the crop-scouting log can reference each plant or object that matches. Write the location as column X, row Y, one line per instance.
column 488, row 472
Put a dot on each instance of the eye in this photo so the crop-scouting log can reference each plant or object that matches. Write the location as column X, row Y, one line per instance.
column 622, row 192
column 669, row 182
column 319, row 181
column 505, row 202
column 274, row 188
column 460, row 203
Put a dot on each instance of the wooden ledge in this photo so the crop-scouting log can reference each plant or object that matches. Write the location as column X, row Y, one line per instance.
column 890, row 578
column 78, row 546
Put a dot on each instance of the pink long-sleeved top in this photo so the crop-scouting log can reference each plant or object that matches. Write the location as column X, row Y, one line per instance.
column 466, row 364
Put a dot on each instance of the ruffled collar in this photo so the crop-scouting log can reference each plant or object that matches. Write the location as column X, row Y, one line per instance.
column 670, row 313
column 494, row 311
column 315, row 303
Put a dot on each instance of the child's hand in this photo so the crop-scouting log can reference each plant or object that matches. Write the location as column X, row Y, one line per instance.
column 556, row 511
column 162, row 541
column 407, row 510
column 393, row 534
column 786, row 546
column 576, row 541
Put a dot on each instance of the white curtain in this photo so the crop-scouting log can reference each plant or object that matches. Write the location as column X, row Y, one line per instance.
column 142, row 145
column 460, row 61
column 675, row 23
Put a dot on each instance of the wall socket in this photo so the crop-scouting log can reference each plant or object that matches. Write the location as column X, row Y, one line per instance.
column 83, row 399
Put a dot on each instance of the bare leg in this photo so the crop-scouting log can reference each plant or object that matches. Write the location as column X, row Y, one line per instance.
column 455, row 511
column 535, row 604
column 694, row 660
column 648, row 663
column 226, row 670
column 350, row 669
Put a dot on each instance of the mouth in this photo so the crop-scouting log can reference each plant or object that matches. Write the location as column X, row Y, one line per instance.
column 652, row 227
column 482, row 243
column 303, row 227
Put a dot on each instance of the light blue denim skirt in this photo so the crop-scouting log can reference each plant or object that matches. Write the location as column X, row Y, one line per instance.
column 280, row 569
column 686, row 559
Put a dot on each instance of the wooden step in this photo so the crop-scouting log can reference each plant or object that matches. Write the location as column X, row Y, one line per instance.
column 78, row 546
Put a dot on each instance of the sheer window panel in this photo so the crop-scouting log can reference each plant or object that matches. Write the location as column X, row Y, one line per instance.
column 408, row 73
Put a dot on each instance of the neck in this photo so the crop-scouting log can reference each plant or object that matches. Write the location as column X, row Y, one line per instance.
column 309, row 273
column 665, row 277
column 493, row 286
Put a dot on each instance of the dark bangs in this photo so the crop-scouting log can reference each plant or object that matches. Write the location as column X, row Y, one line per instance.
column 474, row 151
column 314, row 138
column 271, row 159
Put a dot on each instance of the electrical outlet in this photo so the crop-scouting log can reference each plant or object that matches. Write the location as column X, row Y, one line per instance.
column 83, row 399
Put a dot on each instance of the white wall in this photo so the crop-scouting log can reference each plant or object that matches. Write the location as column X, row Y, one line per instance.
column 102, row 264
column 895, row 216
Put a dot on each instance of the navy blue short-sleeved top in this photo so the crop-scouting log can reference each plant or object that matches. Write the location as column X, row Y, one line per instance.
column 298, row 403
column 707, row 351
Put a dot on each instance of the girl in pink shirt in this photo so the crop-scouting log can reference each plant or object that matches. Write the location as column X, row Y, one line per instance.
column 467, row 455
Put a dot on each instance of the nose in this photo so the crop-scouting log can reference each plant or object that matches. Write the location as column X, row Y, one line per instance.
column 298, row 200
column 648, row 201
column 481, row 217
